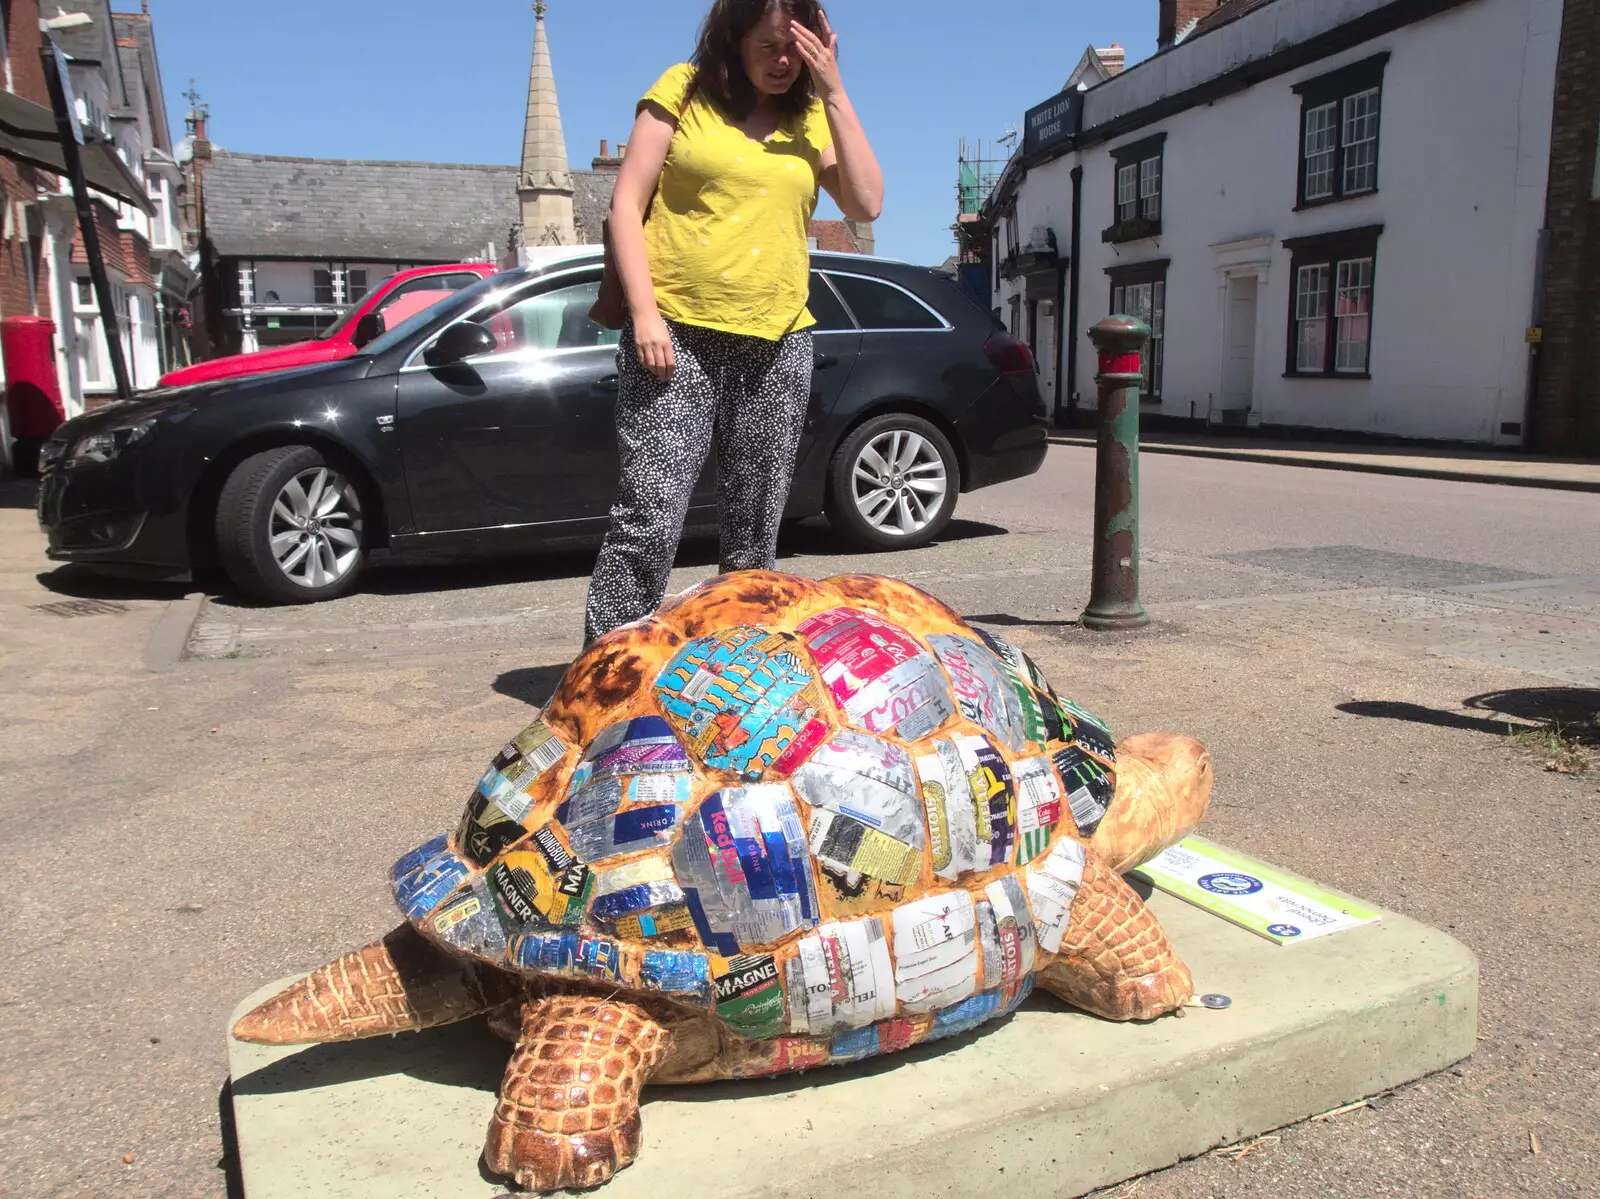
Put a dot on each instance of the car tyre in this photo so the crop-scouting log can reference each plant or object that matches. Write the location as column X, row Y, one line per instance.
column 290, row 527
column 893, row 483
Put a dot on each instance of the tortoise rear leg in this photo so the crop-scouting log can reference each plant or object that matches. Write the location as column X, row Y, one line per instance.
column 1115, row 960
column 568, row 1114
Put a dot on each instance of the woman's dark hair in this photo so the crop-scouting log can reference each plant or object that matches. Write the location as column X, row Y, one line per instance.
column 719, row 73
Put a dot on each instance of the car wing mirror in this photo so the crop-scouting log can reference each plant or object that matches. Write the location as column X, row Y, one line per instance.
column 368, row 329
column 460, row 341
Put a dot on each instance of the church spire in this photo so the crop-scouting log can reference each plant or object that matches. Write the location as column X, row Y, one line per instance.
column 545, row 182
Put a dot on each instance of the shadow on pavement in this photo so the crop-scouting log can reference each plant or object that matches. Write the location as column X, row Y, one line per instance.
column 18, row 493
column 533, row 685
column 80, row 582
column 460, row 1055
column 1543, row 705
column 228, row 1163
column 1417, row 714
column 1528, row 707
column 1005, row 620
column 418, row 574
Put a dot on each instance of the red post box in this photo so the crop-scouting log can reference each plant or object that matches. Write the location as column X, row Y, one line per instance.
column 33, row 397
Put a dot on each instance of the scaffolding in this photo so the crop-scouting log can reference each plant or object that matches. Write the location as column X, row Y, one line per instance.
column 979, row 166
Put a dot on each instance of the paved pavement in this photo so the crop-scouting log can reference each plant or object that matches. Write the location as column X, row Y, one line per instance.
column 1461, row 465
column 181, row 827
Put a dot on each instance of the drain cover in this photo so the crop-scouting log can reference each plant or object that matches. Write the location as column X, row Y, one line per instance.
column 82, row 607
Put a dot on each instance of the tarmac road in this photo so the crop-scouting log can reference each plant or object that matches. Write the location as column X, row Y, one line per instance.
column 180, row 829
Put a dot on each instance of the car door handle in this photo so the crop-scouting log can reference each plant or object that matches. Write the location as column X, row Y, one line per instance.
column 826, row 360
column 609, row 383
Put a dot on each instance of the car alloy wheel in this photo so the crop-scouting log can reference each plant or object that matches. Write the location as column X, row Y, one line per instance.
column 291, row 525
column 315, row 528
column 899, row 483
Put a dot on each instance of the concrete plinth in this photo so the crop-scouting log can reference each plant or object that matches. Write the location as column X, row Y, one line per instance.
column 1050, row 1102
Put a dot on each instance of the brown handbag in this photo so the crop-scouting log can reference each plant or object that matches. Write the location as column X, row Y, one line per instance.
column 610, row 309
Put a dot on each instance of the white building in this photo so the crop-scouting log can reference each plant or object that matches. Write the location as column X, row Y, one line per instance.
column 1329, row 211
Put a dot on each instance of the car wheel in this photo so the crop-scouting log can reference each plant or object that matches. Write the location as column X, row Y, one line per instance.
column 289, row 527
column 893, row 483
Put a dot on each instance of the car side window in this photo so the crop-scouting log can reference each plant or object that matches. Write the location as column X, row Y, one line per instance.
column 550, row 320
column 825, row 306
column 879, row 305
column 441, row 283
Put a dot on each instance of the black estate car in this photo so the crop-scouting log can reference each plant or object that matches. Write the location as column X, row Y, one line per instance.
column 486, row 422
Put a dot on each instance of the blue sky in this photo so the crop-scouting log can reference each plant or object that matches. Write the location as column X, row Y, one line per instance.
column 414, row 79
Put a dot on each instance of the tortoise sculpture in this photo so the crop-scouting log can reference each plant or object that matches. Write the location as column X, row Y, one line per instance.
column 779, row 825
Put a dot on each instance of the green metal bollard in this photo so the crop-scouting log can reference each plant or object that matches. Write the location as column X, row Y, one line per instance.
column 1114, row 591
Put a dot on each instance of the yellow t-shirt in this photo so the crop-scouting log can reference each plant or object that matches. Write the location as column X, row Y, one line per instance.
column 726, row 237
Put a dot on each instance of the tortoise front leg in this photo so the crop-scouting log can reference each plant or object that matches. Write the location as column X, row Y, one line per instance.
column 1115, row 960
column 568, row 1114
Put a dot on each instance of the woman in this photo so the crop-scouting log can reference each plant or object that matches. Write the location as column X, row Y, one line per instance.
column 726, row 157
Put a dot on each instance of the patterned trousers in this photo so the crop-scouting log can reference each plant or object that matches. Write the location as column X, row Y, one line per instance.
column 751, row 395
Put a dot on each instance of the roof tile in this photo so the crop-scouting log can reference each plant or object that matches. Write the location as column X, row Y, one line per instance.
column 265, row 206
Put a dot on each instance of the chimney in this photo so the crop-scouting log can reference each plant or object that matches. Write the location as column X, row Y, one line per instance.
column 1113, row 58
column 607, row 162
column 866, row 241
column 197, row 128
column 1178, row 16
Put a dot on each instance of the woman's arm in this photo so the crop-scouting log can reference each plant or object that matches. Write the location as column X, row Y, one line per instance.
column 850, row 170
column 636, row 184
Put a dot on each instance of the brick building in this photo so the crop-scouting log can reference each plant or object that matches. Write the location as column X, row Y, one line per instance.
column 24, row 269
column 24, row 285
column 841, row 237
column 1566, row 411
column 115, row 83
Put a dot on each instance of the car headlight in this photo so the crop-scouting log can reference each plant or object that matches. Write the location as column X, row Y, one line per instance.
column 105, row 444
column 51, row 452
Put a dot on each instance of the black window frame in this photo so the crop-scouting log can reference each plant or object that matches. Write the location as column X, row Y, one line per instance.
column 1135, row 155
column 830, row 291
column 844, row 281
column 1155, row 353
column 1337, row 88
column 1329, row 250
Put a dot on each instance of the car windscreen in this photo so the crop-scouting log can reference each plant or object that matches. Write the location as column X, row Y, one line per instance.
column 339, row 325
column 444, row 312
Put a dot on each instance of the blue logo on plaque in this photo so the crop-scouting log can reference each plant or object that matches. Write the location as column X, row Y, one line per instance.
column 1231, row 884
column 1283, row 930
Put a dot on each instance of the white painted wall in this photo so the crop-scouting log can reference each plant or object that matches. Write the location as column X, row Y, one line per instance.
column 295, row 283
column 291, row 280
column 164, row 233
column 1464, row 152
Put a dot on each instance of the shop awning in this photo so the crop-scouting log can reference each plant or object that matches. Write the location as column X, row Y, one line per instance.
column 28, row 135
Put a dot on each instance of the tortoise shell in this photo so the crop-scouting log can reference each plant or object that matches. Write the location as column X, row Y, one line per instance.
column 818, row 810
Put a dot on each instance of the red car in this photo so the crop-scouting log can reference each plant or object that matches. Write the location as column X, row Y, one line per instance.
column 392, row 301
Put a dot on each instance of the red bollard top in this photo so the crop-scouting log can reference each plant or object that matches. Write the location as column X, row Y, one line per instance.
column 1119, row 341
